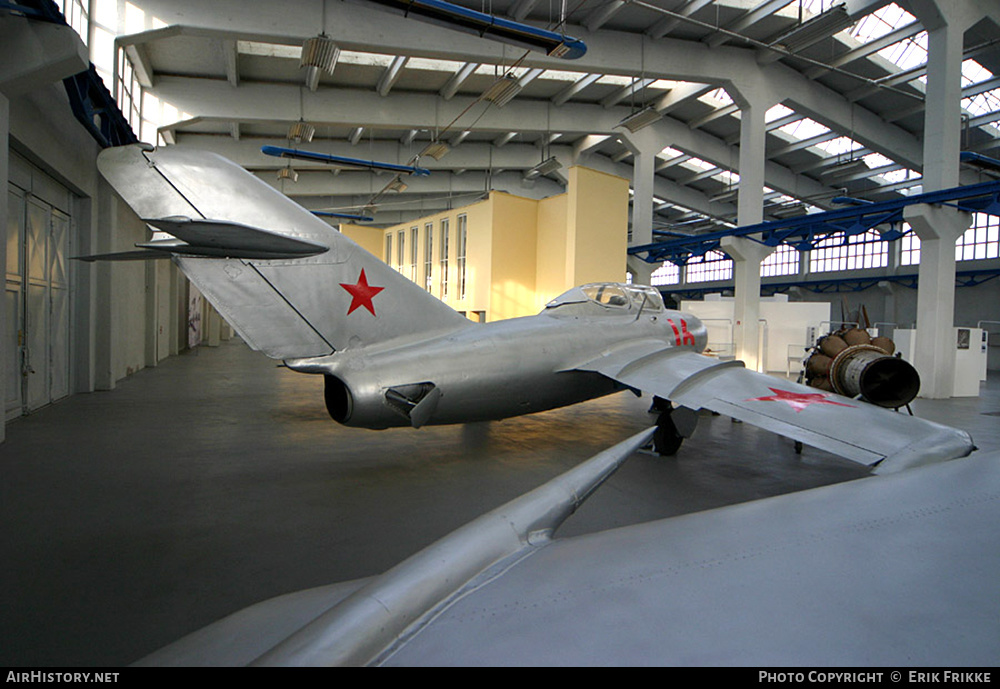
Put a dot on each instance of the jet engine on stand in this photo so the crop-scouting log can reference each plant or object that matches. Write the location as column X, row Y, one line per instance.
column 852, row 363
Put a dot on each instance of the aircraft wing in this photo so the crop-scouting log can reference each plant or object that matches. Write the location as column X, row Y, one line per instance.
column 893, row 570
column 856, row 430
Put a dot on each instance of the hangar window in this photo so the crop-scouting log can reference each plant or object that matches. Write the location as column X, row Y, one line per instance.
column 444, row 258
column 463, row 241
column 77, row 16
column 128, row 93
column 714, row 265
column 666, row 274
column 859, row 252
column 414, row 247
column 981, row 241
column 783, row 261
column 428, row 255
column 388, row 248
column 909, row 248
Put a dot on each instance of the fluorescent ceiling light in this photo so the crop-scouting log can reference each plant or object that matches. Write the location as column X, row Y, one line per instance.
column 288, row 173
column 503, row 90
column 641, row 119
column 301, row 131
column 318, row 54
column 816, row 29
column 543, row 168
column 396, row 185
column 435, row 149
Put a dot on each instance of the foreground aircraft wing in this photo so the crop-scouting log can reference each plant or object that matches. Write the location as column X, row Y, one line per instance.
column 893, row 570
column 877, row 437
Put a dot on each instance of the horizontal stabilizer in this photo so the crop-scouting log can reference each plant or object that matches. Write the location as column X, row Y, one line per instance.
column 209, row 214
column 140, row 255
column 229, row 239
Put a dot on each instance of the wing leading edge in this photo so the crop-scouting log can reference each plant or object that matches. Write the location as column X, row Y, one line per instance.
column 885, row 440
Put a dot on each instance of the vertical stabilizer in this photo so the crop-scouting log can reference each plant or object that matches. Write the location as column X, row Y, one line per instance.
column 291, row 307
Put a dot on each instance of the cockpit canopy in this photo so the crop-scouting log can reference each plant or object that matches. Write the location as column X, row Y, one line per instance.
column 610, row 296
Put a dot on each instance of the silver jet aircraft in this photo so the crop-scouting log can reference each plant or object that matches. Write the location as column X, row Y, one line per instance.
column 393, row 355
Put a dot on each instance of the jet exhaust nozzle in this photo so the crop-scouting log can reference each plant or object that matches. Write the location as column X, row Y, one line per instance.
column 880, row 378
column 853, row 364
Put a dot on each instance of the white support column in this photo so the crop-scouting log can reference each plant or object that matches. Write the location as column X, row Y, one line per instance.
column 753, row 129
column 943, row 114
column 946, row 22
column 644, row 144
column 747, row 256
column 938, row 229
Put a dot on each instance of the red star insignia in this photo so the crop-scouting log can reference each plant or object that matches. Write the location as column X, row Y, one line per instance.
column 798, row 400
column 362, row 293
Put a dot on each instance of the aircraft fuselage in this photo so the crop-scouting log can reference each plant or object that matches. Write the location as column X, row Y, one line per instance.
column 493, row 370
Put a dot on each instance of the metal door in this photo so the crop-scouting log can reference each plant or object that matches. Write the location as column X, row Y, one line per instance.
column 36, row 314
column 58, row 344
column 14, row 302
column 37, row 302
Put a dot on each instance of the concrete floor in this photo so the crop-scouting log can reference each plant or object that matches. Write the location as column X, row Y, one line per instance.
column 217, row 480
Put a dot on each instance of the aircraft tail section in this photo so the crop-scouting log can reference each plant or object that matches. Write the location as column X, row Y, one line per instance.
column 290, row 284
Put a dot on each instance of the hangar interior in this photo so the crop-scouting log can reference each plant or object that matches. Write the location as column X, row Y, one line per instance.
column 196, row 480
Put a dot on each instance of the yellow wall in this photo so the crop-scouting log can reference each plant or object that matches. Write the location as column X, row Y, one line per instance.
column 551, row 274
column 597, row 208
column 370, row 238
column 521, row 253
column 477, row 277
column 478, row 267
column 513, row 257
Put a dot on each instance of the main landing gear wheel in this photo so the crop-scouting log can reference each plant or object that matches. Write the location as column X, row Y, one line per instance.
column 667, row 439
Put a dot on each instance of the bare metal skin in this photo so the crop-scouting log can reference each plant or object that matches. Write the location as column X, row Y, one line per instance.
column 502, row 369
column 393, row 355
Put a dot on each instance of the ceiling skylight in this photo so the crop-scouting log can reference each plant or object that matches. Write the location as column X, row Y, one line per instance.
column 804, row 129
column 716, row 98
column 838, row 146
column 880, row 23
column 777, row 112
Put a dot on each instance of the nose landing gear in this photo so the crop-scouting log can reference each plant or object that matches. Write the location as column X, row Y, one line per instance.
column 673, row 425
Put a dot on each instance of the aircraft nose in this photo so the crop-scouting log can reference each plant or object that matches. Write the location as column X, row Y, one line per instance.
column 685, row 330
column 698, row 330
